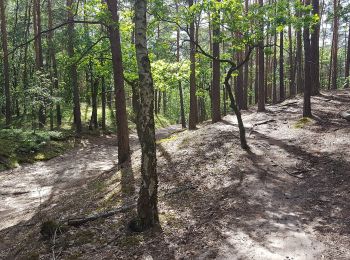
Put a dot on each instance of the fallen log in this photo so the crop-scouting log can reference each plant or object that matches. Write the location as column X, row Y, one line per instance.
column 261, row 123
column 75, row 222
column 345, row 115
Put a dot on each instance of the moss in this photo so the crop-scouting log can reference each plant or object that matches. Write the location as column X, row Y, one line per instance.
column 49, row 228
column 165, row 140
column 185, row 142
column 161, row 121
column 301, row 123
column 20, row 146
column 83, row 237
column 33, row 256
column 131, row 240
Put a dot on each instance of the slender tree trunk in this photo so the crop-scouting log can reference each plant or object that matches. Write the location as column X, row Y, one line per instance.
column 103, row 101
column 261, row 99
column 299, row 64
column 193, row 117
column 246, row 69
column 73, row 67
column 94, row 89
column 147, row 203
column 315, row 50
column 53, row 60
column 39, row 61
column 121, row 114
column 239, row 88
column 307, row 70
column 274, row 80
column 215, row 93
column 282, row 90
column 25, row 61
column 256, row 82
column 6, row 65
column 334, row 67
column 292, row 90
column 182, row 107
column 347, row 64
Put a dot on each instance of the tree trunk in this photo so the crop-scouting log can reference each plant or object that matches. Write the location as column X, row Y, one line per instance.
column 239, row 88
column 193, row 117
column 121, row 114
column 53, row 60
column 73, row 67
column 256, row 82
column 282, row 90
column 39, row 61
column 334, row 67
column 347, row 64
column 147, row 203
column 274, row 76
column 292, row 90
column 261, row 80
column 315, row 51
column 103, row 101
column 94, row 89
column 307, row 70
column 215, row 93
column 182, row 107
column 5, row 62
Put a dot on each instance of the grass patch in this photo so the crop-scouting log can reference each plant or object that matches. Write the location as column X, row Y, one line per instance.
column 301, row 123
column 165, row 140
column 161, row 121
column 21, row 146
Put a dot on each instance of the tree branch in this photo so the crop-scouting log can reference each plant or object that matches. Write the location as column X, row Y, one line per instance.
column 50, row 30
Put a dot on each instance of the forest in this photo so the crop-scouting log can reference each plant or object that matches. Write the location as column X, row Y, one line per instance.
column 197, row 129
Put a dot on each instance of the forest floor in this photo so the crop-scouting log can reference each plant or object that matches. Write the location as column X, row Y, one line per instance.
column 288, row 198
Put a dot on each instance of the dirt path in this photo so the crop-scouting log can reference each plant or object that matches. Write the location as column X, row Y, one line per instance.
column 24, row 189
column 288, row 198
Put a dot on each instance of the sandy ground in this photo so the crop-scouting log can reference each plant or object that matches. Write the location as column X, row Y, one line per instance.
column 286, row 199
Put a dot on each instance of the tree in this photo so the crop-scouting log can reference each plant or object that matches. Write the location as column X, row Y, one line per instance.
column 73, row 67
column 315, row 50
column 347, row 63
column 53, row 60
column 282, row 89
column 215, row 91
column 121, row 114
column 147, row 209
column 334, row 59
column 182, row 107
column 261, row 65
column 193, row 117
column 39, row 61
column 6, row 65
column 307, row 69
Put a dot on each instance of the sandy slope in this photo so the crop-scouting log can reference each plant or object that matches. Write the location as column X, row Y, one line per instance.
column 286, row 199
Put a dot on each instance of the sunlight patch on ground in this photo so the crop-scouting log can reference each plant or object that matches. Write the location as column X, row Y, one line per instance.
column 282, row 245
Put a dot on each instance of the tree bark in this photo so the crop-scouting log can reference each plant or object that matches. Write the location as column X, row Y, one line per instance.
column 334, row 67
column 39, row 61
column 347, row 64
column 182, row 107
column 215, row 92
column 315, row 50
column 282, row 89
column 193, row 117
column 261, row 80
column 307, row 70
column 6, row 65
column 147, row 203
column 53, row 60
column 121, row 114
column 73, row 67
